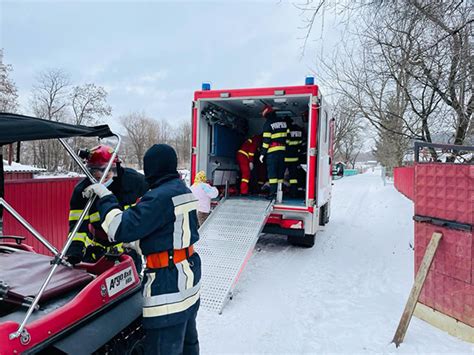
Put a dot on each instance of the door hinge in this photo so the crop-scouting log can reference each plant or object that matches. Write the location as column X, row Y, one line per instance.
column 315, row 100
column 311, row 202
column 313, row 152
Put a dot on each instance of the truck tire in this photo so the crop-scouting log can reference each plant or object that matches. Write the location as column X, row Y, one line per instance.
column 307, row 241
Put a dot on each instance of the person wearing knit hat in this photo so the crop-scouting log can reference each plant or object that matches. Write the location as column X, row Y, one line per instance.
column 165, row 223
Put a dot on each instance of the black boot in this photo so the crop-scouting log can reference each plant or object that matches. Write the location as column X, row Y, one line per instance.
column 270, row 196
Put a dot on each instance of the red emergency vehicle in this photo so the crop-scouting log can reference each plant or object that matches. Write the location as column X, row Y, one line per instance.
column 223, row 119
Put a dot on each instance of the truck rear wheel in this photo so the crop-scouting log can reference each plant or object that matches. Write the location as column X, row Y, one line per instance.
column 307, row 241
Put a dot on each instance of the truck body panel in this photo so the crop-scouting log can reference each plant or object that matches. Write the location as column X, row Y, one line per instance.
column 214, row 146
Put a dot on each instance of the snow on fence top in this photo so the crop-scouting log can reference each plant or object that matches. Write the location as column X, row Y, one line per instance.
column 20, row 168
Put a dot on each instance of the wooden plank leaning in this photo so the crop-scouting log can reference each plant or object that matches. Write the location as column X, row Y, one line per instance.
column 416, row 289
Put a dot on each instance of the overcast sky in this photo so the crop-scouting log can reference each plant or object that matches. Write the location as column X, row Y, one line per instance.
column 152, row 56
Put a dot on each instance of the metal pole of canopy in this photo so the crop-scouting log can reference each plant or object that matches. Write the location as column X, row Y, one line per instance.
column 2, row 182
column 78, row 160
column 28, row 226
column 21, row 329
column 10, row 153
column 18, row 149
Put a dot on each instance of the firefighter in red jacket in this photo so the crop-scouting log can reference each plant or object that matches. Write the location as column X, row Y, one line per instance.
column 245, row 159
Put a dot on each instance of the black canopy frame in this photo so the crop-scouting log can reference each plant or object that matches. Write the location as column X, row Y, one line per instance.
column 16, row 128
column 20, row 128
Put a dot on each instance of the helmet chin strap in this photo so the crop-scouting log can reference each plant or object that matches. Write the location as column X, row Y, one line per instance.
column 108, row 182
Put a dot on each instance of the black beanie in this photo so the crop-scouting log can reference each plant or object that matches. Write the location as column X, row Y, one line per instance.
column 159, row 162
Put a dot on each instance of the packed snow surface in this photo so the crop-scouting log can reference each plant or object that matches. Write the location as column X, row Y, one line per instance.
column 345, row 295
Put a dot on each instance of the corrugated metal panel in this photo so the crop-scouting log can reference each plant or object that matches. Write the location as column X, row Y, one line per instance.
column 404, row 180
column 445, row 191
column 18, row 175
column 44, row 203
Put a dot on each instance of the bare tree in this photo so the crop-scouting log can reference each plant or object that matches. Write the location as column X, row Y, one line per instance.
column 8, row 95
column 89, row 104
column 346, row 130
column 142, row 133
column 451, row 72
column 411, row 74
column 8, row 90
column 390, row 149
column 182, row 143
column 50, row 95
column 89, row 107
column 350, row 147
column 50, row 101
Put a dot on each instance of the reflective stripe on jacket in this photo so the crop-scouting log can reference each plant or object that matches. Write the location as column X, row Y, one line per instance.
column 248, row 149
column 275, row 131
column 294, row 144
column 128, row 187
column 165, row 219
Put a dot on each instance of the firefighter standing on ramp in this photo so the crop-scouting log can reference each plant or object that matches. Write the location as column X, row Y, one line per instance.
column 275, row 131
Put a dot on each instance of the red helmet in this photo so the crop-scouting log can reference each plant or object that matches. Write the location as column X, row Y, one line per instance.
column 99, row 157
column 266, row 110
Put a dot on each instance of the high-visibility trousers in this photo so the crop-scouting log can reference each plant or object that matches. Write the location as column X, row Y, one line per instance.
column 243, row 162
column 275, row 169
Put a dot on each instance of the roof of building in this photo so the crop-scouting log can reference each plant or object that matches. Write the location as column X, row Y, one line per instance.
column 20, row 168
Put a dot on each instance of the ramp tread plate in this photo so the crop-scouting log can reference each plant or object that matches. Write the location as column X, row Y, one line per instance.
column 226, row 241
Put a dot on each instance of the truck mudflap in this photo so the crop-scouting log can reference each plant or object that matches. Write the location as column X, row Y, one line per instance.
column 276, row 224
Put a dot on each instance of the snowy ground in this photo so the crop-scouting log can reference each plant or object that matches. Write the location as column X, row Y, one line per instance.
column 345, row 295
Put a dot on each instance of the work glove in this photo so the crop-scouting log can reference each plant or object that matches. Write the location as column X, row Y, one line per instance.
column 251, row 165
column 75, row 252
column 97, row 189
column 261, row 159
column 94, row 253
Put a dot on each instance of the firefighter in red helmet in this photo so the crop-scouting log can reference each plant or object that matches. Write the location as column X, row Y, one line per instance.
column 245, row 159
column 90, row 241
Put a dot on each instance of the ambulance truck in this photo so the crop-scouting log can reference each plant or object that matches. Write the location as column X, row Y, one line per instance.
column 223, row 119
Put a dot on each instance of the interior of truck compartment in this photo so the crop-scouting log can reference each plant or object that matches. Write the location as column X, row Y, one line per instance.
column 224, row 124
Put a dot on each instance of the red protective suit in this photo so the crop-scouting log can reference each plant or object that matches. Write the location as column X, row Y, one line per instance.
column 245, row 156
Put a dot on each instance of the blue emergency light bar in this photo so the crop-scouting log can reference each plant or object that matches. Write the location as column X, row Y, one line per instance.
column 309, row 80
column 206, row 86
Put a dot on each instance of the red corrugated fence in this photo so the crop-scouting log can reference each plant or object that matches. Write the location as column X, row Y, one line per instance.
column 404, row 180
column 446, row 191
column 44, row 203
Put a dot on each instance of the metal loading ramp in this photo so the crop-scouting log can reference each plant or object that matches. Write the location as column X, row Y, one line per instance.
column 227, row 240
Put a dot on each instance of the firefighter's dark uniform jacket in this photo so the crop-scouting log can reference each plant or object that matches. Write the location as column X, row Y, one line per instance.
column 294, row 144
column 275, row 131
column 164, row 219
column 128, row 186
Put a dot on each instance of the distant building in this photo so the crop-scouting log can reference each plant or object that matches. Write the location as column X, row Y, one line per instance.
column 17, row 171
